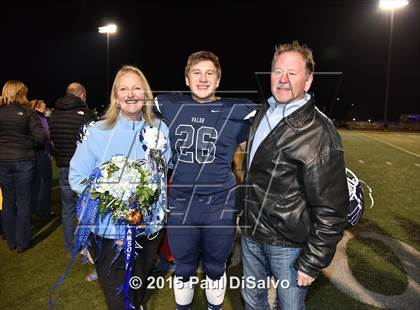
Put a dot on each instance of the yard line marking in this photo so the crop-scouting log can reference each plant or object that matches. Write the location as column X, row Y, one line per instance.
column 342, row 277
column 361, row 161
column 388, row 163
column 417, row 165
column 397, row 147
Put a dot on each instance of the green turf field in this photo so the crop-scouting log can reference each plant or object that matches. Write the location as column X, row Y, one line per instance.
column 388, row 162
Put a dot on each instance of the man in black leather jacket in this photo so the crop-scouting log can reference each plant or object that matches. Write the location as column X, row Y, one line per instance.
column 294, row 198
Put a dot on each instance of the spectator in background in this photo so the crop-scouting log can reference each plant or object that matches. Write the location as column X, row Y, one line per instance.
column 1, row 208
column 47, row 113
column 69, row 114
column 20, row 130
column 1, row 196
column 41, row 194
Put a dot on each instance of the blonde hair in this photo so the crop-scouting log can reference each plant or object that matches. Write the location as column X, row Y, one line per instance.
column 113, row 110
column 304, row 50
column 36, row 103
column 14, row 91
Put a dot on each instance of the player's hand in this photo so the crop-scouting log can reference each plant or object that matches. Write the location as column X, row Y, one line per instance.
column 303, row 279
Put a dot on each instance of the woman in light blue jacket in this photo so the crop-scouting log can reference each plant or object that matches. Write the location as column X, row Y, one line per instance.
column 125, row 130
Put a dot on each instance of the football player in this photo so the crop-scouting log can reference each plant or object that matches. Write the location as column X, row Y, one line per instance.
column 205, row 131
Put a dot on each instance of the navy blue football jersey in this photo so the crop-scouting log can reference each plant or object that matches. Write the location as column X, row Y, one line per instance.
column 204, row 137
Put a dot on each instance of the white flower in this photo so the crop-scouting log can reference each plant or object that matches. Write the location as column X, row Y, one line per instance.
column 154, row 186
column 120, row 180
column 120, row 160
column 104, row 173
column 153, row 138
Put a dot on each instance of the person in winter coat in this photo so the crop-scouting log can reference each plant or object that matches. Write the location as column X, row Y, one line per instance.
column 41, row 194
column 20, row 133
column 70, row 113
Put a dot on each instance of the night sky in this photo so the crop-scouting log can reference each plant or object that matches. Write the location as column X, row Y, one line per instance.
column 48, row 45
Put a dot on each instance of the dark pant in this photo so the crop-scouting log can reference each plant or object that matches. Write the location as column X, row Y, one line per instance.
column 16, row 180
column 111, row 278
column 201, row 225
column 68, row 214
column 41, row 194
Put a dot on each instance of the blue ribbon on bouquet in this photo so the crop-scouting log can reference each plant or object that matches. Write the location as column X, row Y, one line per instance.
column 157, row 218
column 129, row 251
column 87, row 210
column 153, row 224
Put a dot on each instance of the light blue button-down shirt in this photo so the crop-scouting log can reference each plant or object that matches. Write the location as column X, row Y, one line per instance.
column 275, row 113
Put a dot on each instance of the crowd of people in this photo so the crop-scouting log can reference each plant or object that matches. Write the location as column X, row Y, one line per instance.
column 29, row 142
column 291, row 207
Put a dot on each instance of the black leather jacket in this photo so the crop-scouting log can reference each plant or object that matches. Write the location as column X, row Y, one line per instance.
column 295, row 192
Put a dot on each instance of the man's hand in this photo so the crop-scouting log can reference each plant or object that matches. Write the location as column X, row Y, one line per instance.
column 304, row 279
column 242, row 147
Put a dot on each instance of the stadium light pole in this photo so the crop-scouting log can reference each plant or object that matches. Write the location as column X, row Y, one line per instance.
column 390, row 5
column 108, row 29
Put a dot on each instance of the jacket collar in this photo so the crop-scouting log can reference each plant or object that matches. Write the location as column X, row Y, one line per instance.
column 303, row 115
column 126, row 123
column 296, row 119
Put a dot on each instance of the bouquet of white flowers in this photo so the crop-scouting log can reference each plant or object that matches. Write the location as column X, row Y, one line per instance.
column 133, row 193
column 126, row 188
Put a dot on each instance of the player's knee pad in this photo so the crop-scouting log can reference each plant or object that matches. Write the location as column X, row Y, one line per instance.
column 185, row 271
column 214, row 270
